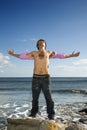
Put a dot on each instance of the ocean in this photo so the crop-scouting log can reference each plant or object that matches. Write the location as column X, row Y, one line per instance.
column 64, row 90
column 16, row 97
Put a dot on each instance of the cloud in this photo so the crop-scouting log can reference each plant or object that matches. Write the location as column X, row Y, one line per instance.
column 77, row 68
column 33, row 39
column 26, row 40
column 68, row 67
column 1, row 71
column 22, row 40
column 72, row 67
column 5, row 63
column 80, row 62
column 4, row 60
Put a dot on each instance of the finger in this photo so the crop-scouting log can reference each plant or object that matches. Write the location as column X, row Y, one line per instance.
column 12, row 50
column 8, row 50
column 73, row 52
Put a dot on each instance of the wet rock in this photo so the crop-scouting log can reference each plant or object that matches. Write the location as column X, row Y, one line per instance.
column 83, row 110
column 34, row 124
column 65, row 114
column 4, row 128
column 83, row 120
column 72, row 127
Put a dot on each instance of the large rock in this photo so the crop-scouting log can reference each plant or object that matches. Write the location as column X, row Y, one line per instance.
column 33, row 124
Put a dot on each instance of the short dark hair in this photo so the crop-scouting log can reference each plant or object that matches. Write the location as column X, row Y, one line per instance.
column 41, row 40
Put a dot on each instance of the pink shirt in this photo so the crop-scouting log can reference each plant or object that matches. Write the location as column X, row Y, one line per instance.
column 24, row 56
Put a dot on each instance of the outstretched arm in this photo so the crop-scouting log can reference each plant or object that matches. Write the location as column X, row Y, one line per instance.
column 23, row 56
column 62, row 55
column 72, row 55
column 12, row 53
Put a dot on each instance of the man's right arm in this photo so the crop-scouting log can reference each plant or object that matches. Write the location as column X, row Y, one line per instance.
column 23, row 56
column 12, row 53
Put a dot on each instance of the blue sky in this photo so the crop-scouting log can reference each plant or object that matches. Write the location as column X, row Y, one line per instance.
column 62, row 23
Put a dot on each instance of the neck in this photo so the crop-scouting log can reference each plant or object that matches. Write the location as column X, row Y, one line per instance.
column 41, row 53
column 42, row 49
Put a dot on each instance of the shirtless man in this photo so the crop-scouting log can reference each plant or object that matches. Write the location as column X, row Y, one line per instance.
column 41, row 77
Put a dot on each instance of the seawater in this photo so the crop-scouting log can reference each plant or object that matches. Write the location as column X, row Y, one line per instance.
column 69, row 94
column 63, row 89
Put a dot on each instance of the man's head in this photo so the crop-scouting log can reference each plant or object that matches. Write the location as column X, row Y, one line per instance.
column 41, row 43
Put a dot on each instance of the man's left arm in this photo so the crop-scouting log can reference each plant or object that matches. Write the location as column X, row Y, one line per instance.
column 63, row 55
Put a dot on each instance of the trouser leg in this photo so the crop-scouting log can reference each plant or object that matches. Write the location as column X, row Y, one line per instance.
column 47, row 94
column 36, row 89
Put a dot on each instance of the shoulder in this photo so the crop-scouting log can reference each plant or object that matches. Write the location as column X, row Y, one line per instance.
column 50, row 53
column 33, row 52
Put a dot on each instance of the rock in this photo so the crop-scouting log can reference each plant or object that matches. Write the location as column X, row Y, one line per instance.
column 83, row 120
column 84, row 110
column 76, row 126
column 4, row 128
column 72, row 127
column 34, row 124
column 51, row 125
column 81, row 126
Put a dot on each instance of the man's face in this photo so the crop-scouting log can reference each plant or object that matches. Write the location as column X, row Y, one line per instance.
column 41, row 45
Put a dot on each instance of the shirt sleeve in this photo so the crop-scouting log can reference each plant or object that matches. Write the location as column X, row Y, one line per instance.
column 58, row 55
column 24, row 56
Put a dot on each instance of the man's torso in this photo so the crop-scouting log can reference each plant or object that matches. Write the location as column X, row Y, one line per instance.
column 41, row 62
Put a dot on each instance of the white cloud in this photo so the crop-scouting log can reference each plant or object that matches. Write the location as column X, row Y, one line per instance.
column 80, row 62
column 72, row 68
column 1, row 71
column 78, row 68
column 5, row 65
column 67, row 68
column 4, row 61
column 22, row 40
column 33, row 39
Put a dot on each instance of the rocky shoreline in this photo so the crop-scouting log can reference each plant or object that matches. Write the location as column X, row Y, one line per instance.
column 72, row 114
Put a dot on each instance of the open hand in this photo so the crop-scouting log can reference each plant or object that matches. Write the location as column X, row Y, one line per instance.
column 11, row 52
column 75, row 54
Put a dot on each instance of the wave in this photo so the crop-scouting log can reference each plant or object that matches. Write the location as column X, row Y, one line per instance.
column 54, row 79
column 15, row 89
column 70, row 91
column 53, row 90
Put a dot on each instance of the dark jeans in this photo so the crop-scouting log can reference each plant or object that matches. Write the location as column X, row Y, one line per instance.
column 42, row 83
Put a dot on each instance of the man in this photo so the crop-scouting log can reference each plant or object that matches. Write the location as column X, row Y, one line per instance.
column 41, row 77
